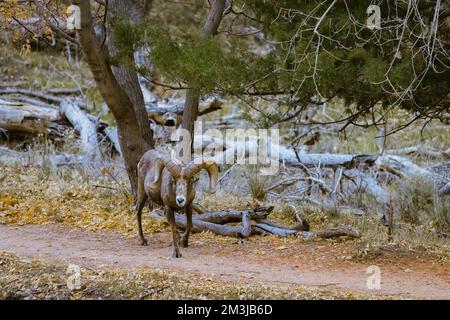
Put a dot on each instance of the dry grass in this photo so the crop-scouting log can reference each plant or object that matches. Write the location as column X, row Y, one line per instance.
column 74, row 198
column 23, row 279
column 67, row 196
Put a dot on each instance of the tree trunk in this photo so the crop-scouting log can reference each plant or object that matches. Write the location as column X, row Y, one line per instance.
column 190, row 113
column 127, row 78
column 119, row 88
column 193, row 95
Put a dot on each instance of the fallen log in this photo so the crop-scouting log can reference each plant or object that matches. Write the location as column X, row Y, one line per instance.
column 202, row 226
column 420, row 150
column 14, row 121
column 27, row 92
column 364, row 182
column 246, row 229
column 245, row 150
column 241, row 148
column 27, row 118
column 223, row 123
column 31, row 101
column 85, row 127
column 261, row 228
column 229, row 216
column 12, row 157
column 405, row 168
column 29, row 111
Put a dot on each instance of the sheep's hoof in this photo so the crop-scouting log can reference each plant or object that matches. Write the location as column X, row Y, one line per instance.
column 184, row 243
column 176, row 254
column 144, row 242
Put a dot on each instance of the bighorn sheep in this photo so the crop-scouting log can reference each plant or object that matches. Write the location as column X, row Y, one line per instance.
column 170, row 184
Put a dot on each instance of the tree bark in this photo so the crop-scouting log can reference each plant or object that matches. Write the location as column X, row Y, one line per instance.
column 134, row 10
column 119, row 88
column 193, row 95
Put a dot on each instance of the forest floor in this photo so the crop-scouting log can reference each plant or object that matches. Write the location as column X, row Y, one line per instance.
column 308, row 269
column 52, row 218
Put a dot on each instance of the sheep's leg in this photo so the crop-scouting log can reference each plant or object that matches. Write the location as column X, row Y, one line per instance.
column 141, row 199
column 185, row 240
column 170, row 216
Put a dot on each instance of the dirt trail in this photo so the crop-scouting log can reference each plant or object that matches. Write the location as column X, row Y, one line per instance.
column 313, row 263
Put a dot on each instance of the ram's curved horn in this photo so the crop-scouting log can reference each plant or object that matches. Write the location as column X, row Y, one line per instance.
column 163, row 161
column 209, row 165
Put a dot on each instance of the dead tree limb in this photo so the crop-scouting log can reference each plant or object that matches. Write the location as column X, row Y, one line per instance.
column 27, row 92
column 86, row 129
column 27, row 118
column 203, row 223
column 12, row 157
column 405, row 168
column 30, row 111
column 366, row 183
column 229, row 216
column 421, row 150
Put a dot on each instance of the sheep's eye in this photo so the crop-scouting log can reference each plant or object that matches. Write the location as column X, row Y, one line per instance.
column 193, row 181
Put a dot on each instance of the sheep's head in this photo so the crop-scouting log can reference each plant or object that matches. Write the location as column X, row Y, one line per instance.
column 183, row 175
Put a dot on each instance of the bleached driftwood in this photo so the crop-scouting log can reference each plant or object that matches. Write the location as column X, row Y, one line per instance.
column 85, row 127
